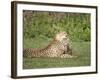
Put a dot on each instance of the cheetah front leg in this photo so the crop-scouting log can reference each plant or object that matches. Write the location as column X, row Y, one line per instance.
column 67, row 56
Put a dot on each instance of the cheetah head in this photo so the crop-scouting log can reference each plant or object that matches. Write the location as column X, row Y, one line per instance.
column 61, row 35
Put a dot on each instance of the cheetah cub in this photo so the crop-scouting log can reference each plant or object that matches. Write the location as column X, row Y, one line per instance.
column 59, row 47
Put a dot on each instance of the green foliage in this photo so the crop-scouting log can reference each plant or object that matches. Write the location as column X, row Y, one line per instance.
column 47, row 24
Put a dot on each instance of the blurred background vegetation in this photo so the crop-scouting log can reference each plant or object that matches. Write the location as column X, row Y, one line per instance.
column 45, row 25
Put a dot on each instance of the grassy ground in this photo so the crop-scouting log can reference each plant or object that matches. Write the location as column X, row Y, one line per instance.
column 82, row 49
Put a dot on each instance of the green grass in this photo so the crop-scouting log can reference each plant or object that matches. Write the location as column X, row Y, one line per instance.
column 37, row 42
column 81, row 49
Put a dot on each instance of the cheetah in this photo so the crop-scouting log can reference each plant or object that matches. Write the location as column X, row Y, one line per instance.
column 59, row 47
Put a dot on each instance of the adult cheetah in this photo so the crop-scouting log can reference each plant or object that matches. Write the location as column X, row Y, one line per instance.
column 59, row 47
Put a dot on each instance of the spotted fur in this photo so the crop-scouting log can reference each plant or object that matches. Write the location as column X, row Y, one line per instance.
column 59, row 47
